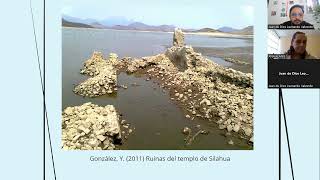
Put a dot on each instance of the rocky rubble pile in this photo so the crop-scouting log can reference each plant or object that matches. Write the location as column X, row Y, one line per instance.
column 134, row 65
column 236, row 61
column 98, row 85
column 104, row 74
column 204, row 88
column 90, row 127
column 93, row 65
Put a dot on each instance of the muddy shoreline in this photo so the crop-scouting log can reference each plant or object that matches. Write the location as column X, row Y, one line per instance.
column 242, row 54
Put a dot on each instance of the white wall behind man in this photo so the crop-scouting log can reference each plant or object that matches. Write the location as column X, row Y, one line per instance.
column 313, row 42
column 277, row 7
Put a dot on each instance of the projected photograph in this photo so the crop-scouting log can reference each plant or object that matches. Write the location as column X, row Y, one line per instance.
column 157, row 75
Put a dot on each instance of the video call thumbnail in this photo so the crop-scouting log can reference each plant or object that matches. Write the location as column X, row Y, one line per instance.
column 292, row 14
column 293, row 58
column 293, row 44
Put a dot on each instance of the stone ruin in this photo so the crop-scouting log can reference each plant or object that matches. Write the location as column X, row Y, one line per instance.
column 178, row 37
column 90, row 127
column 104, row 76
column 226, row 94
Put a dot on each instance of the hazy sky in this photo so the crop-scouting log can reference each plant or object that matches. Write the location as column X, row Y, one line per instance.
column 181, row 13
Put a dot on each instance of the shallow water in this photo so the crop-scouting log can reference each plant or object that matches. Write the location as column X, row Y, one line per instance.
column 219, row 61
column 135, row 44
column 157, row 120
column 214, row 42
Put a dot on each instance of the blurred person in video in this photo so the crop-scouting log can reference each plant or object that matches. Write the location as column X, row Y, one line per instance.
column 298, row 46
column 296, row 14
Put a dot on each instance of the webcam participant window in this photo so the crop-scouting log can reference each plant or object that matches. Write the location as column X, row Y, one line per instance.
column 293, row 44
column 293, row 14
column 293, row 58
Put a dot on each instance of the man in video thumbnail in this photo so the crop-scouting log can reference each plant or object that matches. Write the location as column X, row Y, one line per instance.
column 298, row 46
column 296, row 14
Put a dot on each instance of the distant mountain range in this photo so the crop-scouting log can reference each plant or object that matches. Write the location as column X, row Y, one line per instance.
column 110, row 21
column 75, row 24
column 244, row 31
column 120, row 23
column 207, row 30
column 227, row 29
column 144, row 27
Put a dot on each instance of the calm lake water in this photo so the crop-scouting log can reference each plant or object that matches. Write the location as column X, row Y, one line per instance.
column 157, row 120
